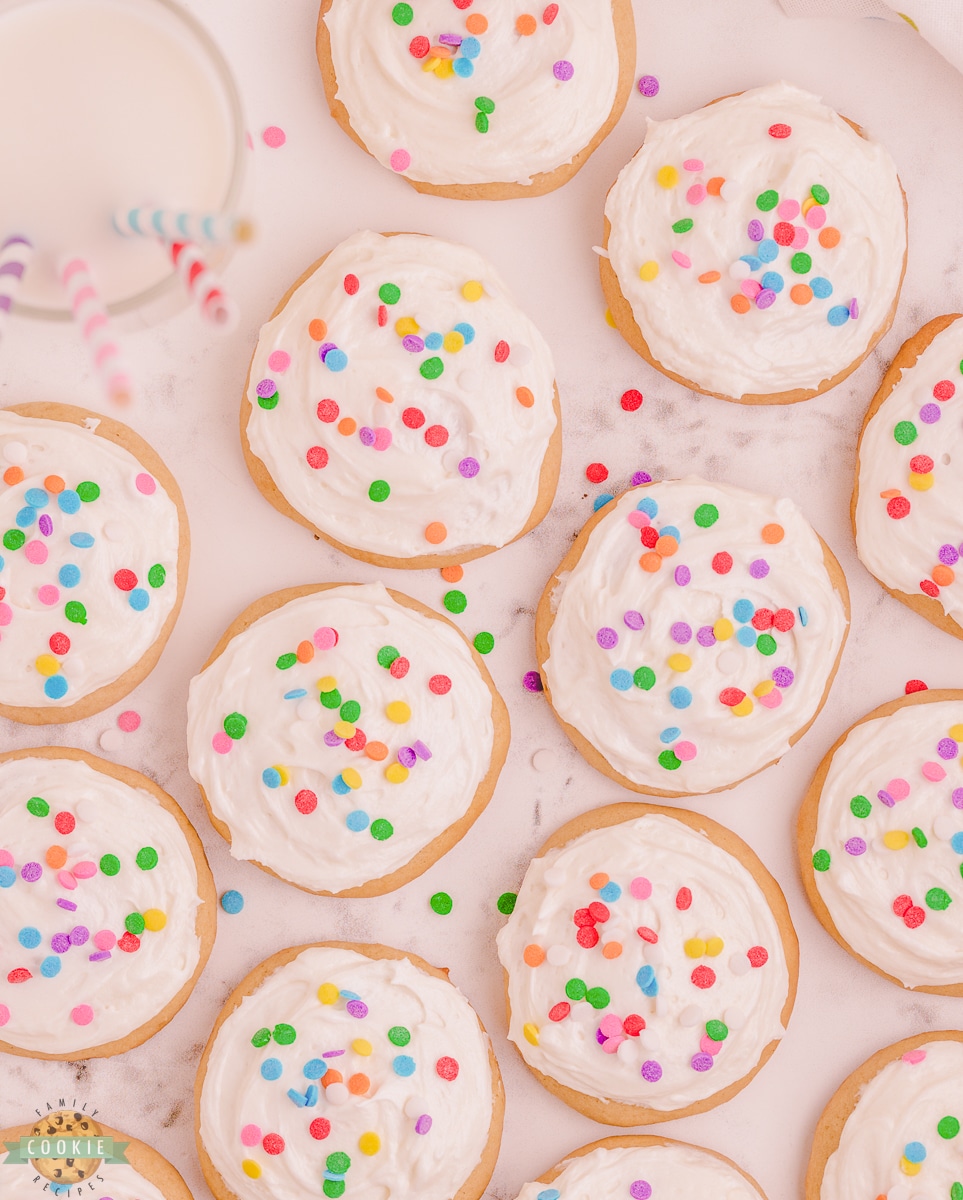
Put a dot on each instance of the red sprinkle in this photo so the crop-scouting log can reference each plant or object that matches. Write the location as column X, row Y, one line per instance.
column 779, row 130
column 596, row 472
column 358, row 742
column 273, row 1143
column 722, row 562
column 59, row 642
column 462, row 4
column 419, row 46
column 784, row 233
column 399, row 668
column 382, row 314
column 762, row 618
column 758, row 956
column 351, row 283
column 633, row 1024
column 19, row 975
column 587, row 937
column 317, row 457
column 560, row 1011
column 550, row 13
column 582, row 916
column 502, row 351
column 319, row 1128
column 929, row 587
column 631, row 400
column 447, row 1068
column 944, row 390
column 440, row 685
column 915, row 685
column 129, row 943
column 125, row 580
column 436, row 435
column 784, row 619
column 683, row 899
column 731, row 696
column 914, row 917
column 328, row 411
column 64, row 823
column 647, row 934
column 897, row 508
column 649, row 536
column 901, row 904
column 921, row 464
column 703, row 977
column 305, row 801
column 599, row 911
column 414, row 418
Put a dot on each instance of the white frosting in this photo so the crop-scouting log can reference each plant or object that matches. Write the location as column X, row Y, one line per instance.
column 861, row 884
column 673, row 1172
column 318, row 849
column 903, row 1103
column 409, row 1165
column 664, row 856
column 539, row 121
column 473, row 401
column 130, row 986
column 115, row 1180
column 123, row 529
column 633, row 727
column 690, row 327
column 902, row 551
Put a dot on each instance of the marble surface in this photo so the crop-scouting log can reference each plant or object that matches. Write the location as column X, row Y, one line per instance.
column 305, row 197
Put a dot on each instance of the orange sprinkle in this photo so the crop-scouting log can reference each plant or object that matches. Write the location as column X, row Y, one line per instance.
column 944, row 576
column 534, row 955
column 331, row 1076
column 773, row 534
column 441, row 52
column 358, row 1084
column 56, row 857
column 476, row 23
column 710, row 277
column 436, row 533
column 714, row 186
column 317, row 330
column 305, row 651
column 452, row 574
column 666, row 546
column 611, row 949
column 651, row 562
column 740, row 303
column 829, row 237
column 384, row 394
column 890, row 494
column 526, row 24
column 376, row 750
column 13, row 475
column 598, row 880
column 53, row 483
column 800, row 293
column 524, row 397
column 347, row 426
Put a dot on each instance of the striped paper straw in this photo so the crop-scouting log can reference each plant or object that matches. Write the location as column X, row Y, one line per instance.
column 173, row 226
column 15, row 254
column 92, row 321
column 204, row 286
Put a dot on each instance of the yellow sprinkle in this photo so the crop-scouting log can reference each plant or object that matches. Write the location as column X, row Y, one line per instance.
column 369, row 1143
column 609, row 319
column 445, row 68
column 910, row 21
column 921, row 483
column 453, row 341
column 361, row 1046
column 648, row 271
column 328, row 993
column 344, row 729
column 743, row 708
column 283, row 773
column 679, row 662
column 396, row 773
column 956, row 733
column 808, row 203
column 761, row 689
column 327, row 683
column 694, row 948
column 351, row 778
column 398, row 711
column 531, row 1034
column 667, row 177
column 723, row 629
column 473, row 290
column 251, row 1169
column 909, row 1168
column 46, row 664
column 405, row 326
column 154, row 920
column 896, row 839
column 715, row 946
column 429, row 64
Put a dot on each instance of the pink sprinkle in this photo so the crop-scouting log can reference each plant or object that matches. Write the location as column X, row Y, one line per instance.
column 640, row 888
column 853, row 309
column 899, row 789
column 66, row 879
column 48, row 594
column 4, row 1014
column 685, row 751
column 279, row 360
column 610, row 1025
column 6, row 614
column 773, row 700
column 248, row 140
column 750, row 288
column 914, row 1056
column 801, row 238
column 105, row 940
column 85, row 870
column 638, row 519
column 250, row 1135
column 816, row 217
column 128, row 721
column 400, row 160
column 221, row 742
column 696, row 194
column 6, row 858
column 788, row 209
column 382, row 437
column 933, row 771
column 610, row 1045
column 36, row 553
column 145, row 484
column 83, row 1014
column 683, row 260
column 708, row 1046
column 274, row 136
column 694, row 165
column 325, row 638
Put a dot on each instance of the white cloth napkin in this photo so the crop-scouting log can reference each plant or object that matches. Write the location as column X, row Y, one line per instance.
column 939, row 21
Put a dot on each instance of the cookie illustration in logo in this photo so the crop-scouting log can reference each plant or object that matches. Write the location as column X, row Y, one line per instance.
column 65, row 1124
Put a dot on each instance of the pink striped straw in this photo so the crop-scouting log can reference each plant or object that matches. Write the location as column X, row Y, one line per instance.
column 204, row 287
column 15, row 254
column 94, row 325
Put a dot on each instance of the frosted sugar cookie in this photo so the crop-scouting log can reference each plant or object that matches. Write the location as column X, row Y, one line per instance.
column 907, row 499
column 640, row 1167
column 144, row 1175
column 483, row 101
column 107, row 914
column 755, row 247
column 893, row 1127
column 650, row 964
column 400, row 405
column 881, row 841
column 94, row 547
column 344, row 737
column 690, row 635
column 340, row 1069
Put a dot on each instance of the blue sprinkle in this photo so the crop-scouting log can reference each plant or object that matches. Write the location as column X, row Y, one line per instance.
column 464, row 68
column 339, row 787
column 232, row 902
column 333, row 1175
column 767, row 250
column 1, row 562
column 601, row 501
column 549, row 1194
column 26, row 517
column 956, row 841
column 83, row 541
column 68, row 501
column 271, row 1068
column 680, row 697
column 672, row 734
column 914, row 1152
column 649, row 506
column 670, row 531
column 610, row 893
column 138, row 599
column 357, row 820
column 803, row 617
column 647, row 981
column 434, row 341
column 838, row 315
column 36, row 497
column 55, row 687
column 336, row 360
column 403, row 1065
column 299, row 1100
column 746, row 636
column 774, row 281
column 315, row 1069
column 296, row 694
column 8, row 877
column 69, row 575
column 29, row 937
column 349, row 996
column 311, row 1096
column 821, row 287
column 467, row 331
column 470, row 47
column 50, row 966
column 742, row 610
column 621, row 679
column 271, row 777
column 753, row 262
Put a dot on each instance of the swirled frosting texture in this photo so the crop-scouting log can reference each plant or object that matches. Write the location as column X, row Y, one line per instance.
column 277, row 779
column 398, row 438
column 121, row 856
column 112, row 1179
column 710, row 210
column 909, row 527
column 888, row 850
column 693, row 949
column 424, row 123
column 690, row 659
column 408, row 1047
column 904, row 1104
column 88, row 561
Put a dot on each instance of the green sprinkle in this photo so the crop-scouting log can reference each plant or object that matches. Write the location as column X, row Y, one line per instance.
column 644, row 678
column 285, row 661
column 235, row 725
column 705, row 515
column 13, row 539
column 402, row 14
column 956, row 1191
column 268, row 402
column 484, row 105
column 598, row 997
column 261, row 1038
column 157, row 576
column 39, row 808
column 387, row 655
column 717, row 1030
column 766, row 201
column 904, row 432
column 146, row 858
column 88, row 491
column 441, row 903
column 821, row 860
column 75, row 612
column 484, row 643
column 110, row 864
column 284, row 1035
column 350, row 711
column 338, row 1162
column 134, row 924
column 801, row 263
column 683, row 226
column 379, row 491
column 331, row 699
column 859, row 806
column 766, row 644
column 399, row 1036
column 506, row 903
column 333, row 1188
column 948, row 1128
column 919, row 837
column 938, row 899
column 575, row 989
column 431, row 368
column 381, row 829
column 455, row 601
column 389, row 293
column 819, row 193
column 669, row 760
column 481, row 122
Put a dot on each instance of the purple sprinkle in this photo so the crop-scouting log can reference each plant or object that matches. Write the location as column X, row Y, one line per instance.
column 640, row 1190
column 332, row 739
column 633, row 619
column 324, row 348
column 421, row 750
column 600, row 1037
column 853, row 309
column 758, row 568
column 756, row 231
column 266, row 388
column 367, row 435
column 60, row 943
column 413, row 344
column 357, row 1009
column 532, row 681
column 886, row 798
column 607, row 638
column 450, row 39
column 855, row 846
column 79, row 935
column 67, row 904
column 46, row 524
column 682, row 575
column 930, row 414
column 947, row 748
column 949, row 555
column 332, row 1054
column 705, row 636
column 423, row 1124
column 783, row 677
column 563, row 70
column 649, row 85
column 681, row 633
column 31, row 872
column 957, row 797
column 641, row 477
column 702, row 1062
column 468, row 468
column 765, row 299
column 407, row 756
column 99, row 956
column 651, row 1071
